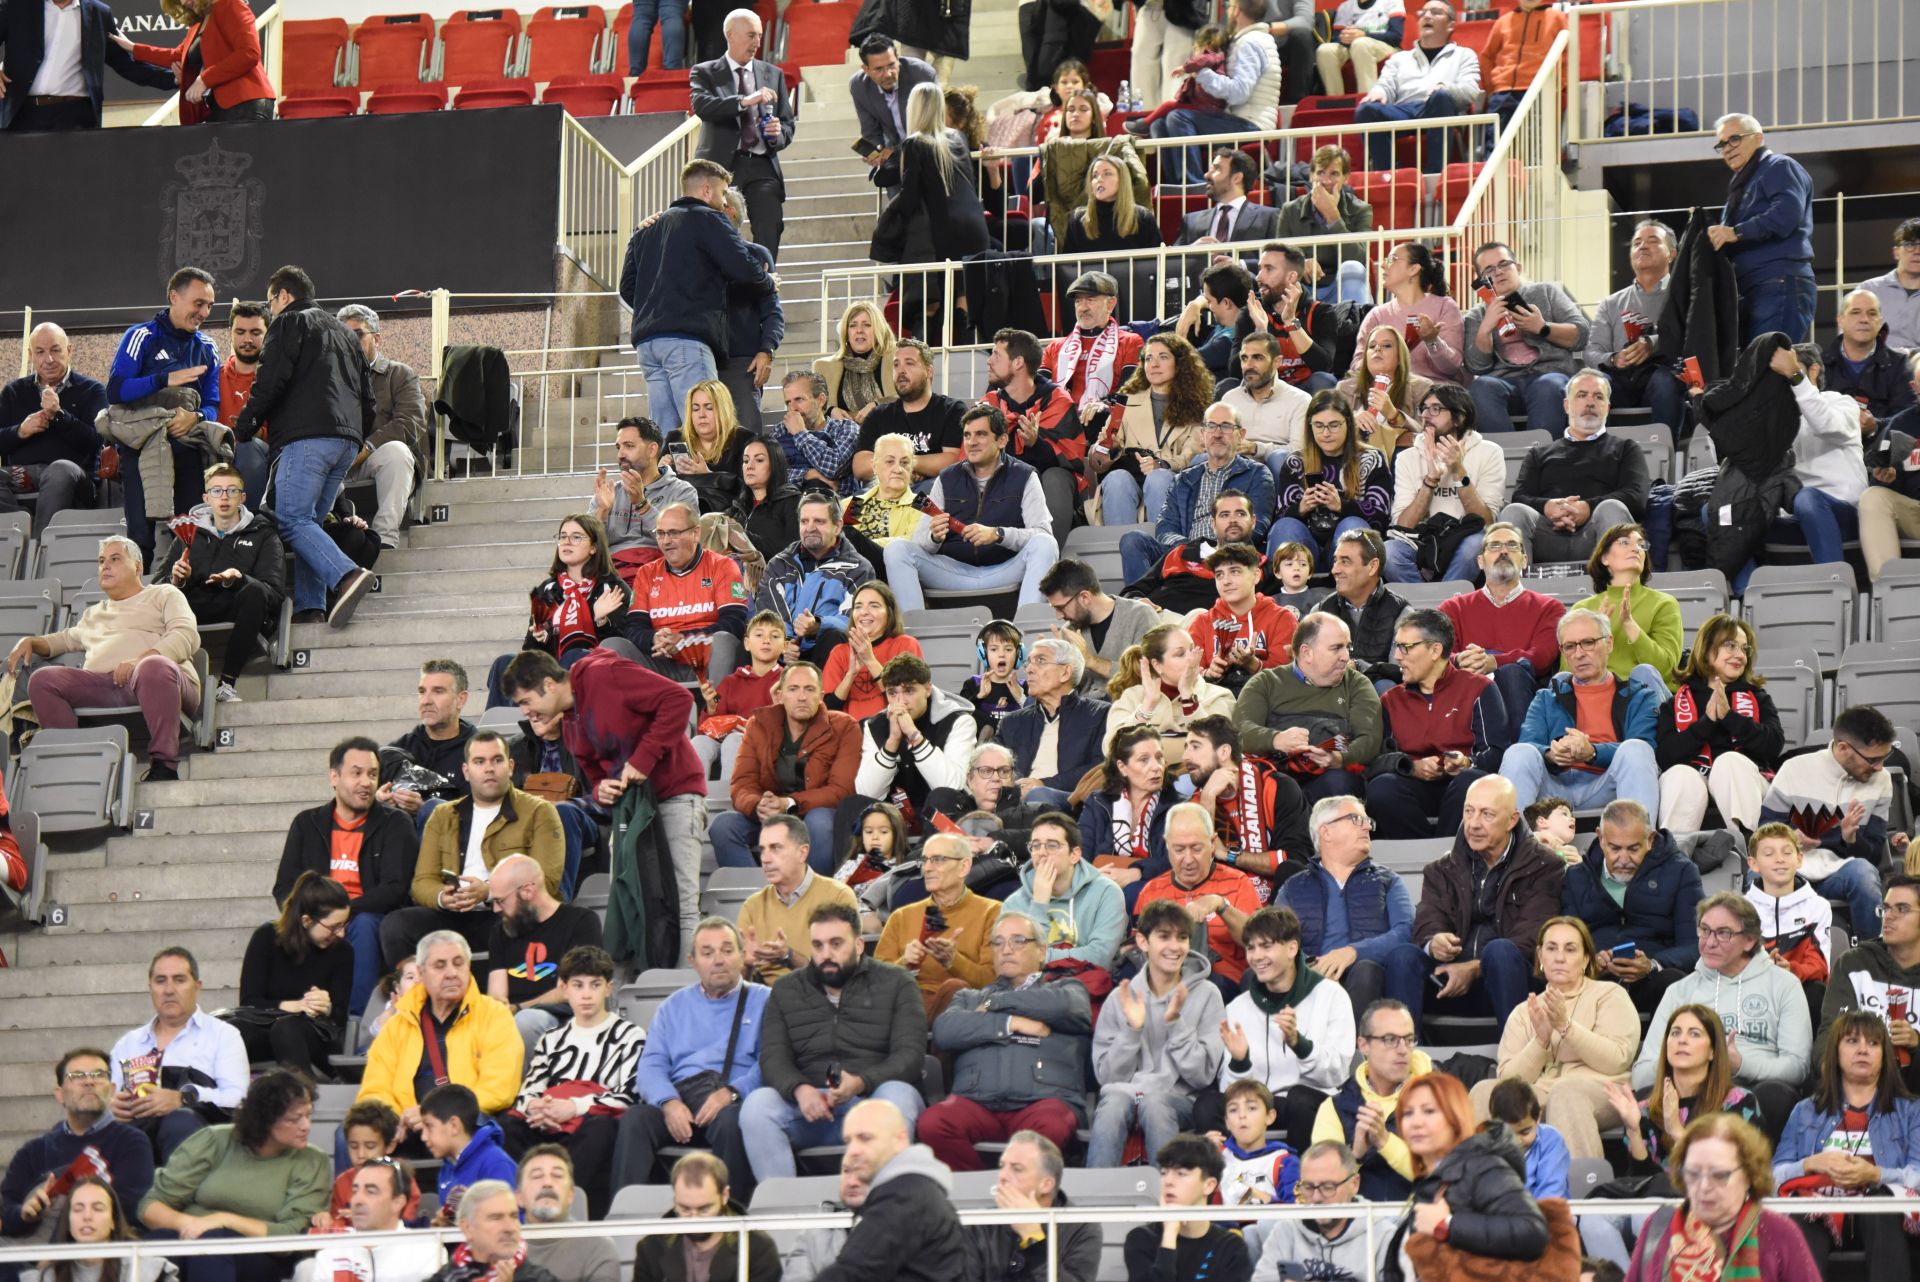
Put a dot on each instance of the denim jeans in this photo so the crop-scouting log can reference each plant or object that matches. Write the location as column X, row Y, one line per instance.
column 307, row 478
column 911, row 568
column 1140, row 553
column 671, row 367
column 1287, row 529
column 1664, row 394
column 735, row 836
column 1348, row 285
column 1826, row 523
column 1634, row 775
column 1542, row 397
column 672, row 19
column 772, row 1128
column 1161, row 1115
column 1781, row 303
column 1504, row 975
column 1122, row 498
column 1857, row 882
column 251, row 458
column 1403, row 561
column 1517, row 686
column 363, row 934
column 1188, row 122
column 1433, row 142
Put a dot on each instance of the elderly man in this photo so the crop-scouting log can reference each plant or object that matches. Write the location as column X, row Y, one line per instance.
column 817, row 439
column 1217, row 894
column 630, row 500
column 843, row 1029
column 395, row 450
column 376, row 1201
column 1860, row 362
column 1576, row 488
column 1090, row 360
column 489, row 1220
column 905, row 1230
column 1001, row 1037
column 164, row 361
column 546, row 1197
column 1446, row 727
column 1319, row 717
column 1029, row 1178
column 701, row 1061
column 1625, row 333
column 942, row 939
column 1588, row 736
column 689, row 608
column 232, row 567
column 473, row 1042
column 1767, row 230
column 137, row 649
column 1259, row 819
column 798, row 757
column 532, row 930
column 811, row 585
column 1330, row 1175
column 1482, row 905
column 82, row 1087
column 1431, row 81
column 1521, row 343
column 47, row 441
column 1636, row 888
column 989, row 527
column 1082, row 912
column 1353, row 912
column 1181, row 582
column 1361, row 1112
column 703, row 1191
column 1899, row 289
column 1055, row 735
column 1189, row 511
column 775, row 919
column 181, row 1070
column 1504, row 630
column 1248, row 88
column 1362, row 600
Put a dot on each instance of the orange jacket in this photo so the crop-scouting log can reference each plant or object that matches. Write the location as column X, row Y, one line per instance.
column 229, row 54
column 829, row 754
column 1517, row 47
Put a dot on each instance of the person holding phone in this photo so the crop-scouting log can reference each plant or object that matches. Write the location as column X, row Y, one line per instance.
column 1523, row 339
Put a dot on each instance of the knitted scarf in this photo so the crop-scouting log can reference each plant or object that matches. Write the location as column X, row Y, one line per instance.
column 1694, row 1252
column 464, row 1268
column 859, row 381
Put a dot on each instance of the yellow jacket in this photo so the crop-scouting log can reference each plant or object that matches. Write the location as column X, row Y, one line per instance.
column 484, row 1050
column 1326, row 1124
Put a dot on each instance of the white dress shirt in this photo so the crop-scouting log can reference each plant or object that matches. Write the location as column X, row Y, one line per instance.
column 59, row 74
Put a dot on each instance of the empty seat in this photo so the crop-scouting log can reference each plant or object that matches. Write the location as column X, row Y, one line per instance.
column 1656, row 439
column 563, row 45
column 817, row 34
column 1393, row 193
column 1701, row 594
column 1099, row 547
column 1585, row 1174
column 637, row 1009
column 313, row 55
column 1894, row 609
column 1880, row 673
column 586, row 95
column 393, row 49
column 478, row 45
column 77, row 781
column 661, row 981
column 946, row 619
column 318, row 105
column 1411, row 855
column 15, row 530
column 28, row 608
column 1430, row 595
column 499, row 93
column 1795, row 681
column 594, row 891
column 673, row 97
column 795, row 1194
column 73, row 561
column 1802, row 605
column 402, row 99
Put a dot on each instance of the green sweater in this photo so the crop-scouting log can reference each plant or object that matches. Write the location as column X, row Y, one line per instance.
column 1661, row 636
column 212, row 1171
column 1278, row 699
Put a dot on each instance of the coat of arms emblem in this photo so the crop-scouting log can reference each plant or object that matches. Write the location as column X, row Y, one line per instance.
column 212, row 218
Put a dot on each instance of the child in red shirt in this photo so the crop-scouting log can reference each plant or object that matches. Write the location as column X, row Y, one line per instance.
column 1245, row 631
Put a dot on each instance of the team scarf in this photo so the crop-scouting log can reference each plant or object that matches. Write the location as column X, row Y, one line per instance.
column 1100, row 360
column 1694, row 1252
column 464, row 1268
column 1687, row 710
column 1188, row 703
column 1131, row 837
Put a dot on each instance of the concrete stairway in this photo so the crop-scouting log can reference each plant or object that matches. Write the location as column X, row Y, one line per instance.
column 202, row 874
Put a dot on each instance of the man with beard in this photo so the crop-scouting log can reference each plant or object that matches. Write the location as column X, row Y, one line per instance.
column 1180, row 582
column 490, row 1222
column 1272, row 413
column 840, row 1030
column 1576, row 488
column 810, row 586
column 629, row 502
column 1259, row 818
column 1055, row 736
column 546, row 1197
column 1506, row 631
column 1099, row 626
column 1089, row 361
column 1301, row 326
column 532, row 931
column 380, row 1190
column 1221, row 469
column 369, row 848
column 701, row 1191
column 925, row 417
column 817, row 439
column 1046, row 435
column 47, row 439
column 82, row 1084
column 395, row 448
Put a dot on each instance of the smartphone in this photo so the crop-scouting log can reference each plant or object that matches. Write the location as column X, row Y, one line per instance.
column 1438, row 981
column 863, row 148
column 678, row 447
column 449, row 878
column 1624, row 950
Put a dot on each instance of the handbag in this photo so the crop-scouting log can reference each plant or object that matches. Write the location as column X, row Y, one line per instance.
column 694, row 1090
column 552, row 785
column 1443, row 1262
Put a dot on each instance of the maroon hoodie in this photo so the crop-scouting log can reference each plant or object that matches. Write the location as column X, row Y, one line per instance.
column 624, row 713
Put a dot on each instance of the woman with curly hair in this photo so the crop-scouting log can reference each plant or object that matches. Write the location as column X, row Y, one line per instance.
column 1331, row 484
column 859, row 374
column 1154, row 433
column 255, row 1177
column 714, row 440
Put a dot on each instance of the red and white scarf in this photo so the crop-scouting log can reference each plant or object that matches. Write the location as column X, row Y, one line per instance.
column 1132, row 837
column 1241, row 827
column 1687, row 710
column 464, row 1268
column 1100, row 361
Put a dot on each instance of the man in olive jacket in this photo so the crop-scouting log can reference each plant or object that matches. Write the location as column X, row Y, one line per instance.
column 843, row 1029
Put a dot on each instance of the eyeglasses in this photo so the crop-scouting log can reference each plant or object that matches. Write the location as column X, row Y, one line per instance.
column 578, row 537
column 88, row 1075
column 1580, row 646
column 1049, row 847
column 1728, row 143
column 226, row 492
column 1500, row 266
column 1871, row 759
column 1322, row 1190
column 1504, row 545
column 994, row 772
column 1734, row 643
column 1638, row 545
column 1719, row 935
column 330, row 929
column 1890, row 909
column 662, row 532
column 1403, row 647
column 1012, row 941
column 1392, row 1041
column 941, row 860
column 1707, row 1179
column 1432, row 407
column 1353, row 817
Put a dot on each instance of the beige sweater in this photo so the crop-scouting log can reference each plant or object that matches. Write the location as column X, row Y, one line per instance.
column 116, row 632
column 1603, row 1033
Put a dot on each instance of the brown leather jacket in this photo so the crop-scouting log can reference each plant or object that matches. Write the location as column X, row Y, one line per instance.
column 829, row 759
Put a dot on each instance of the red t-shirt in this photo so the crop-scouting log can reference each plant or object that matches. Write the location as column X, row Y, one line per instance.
column 1267, row 627
column 236, row 386
column 689, row 604
column 1229, row 958
column 343, row 855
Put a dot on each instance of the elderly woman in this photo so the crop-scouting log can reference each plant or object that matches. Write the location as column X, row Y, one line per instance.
column 254, row 1178
column 1569, row 1040
column 1720, row 1230
column 1146, row 442
column 1719, row 732
column 859, row 373
column 1647, row 634
column 216, row 64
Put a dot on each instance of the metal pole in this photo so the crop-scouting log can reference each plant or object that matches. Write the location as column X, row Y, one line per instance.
column 442, row 308
column 26, row 329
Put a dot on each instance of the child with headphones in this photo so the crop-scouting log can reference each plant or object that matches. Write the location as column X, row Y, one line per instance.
column 1000, row 687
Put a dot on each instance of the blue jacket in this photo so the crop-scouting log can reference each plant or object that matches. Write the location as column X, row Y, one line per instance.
column 755, row 322
column 1083, row 723
column 1774, row 217
column 23, row 32
column 1636, row 712
column 1547, row 1164
column 689, row 1035
column 1378, row 910
column 1895, row 1137
column 481, row 1159
column 1248, row 475
column 1657, row 912
column 154, row 349
column 127, row 1151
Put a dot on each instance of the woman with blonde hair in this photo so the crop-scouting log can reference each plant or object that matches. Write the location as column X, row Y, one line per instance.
column 937, row 216
column 1383, row 390
column 216, row 66
column 714, row 440
column 859, row 374
column 1146, row 441
column 1720, row 736
column 1160, row 683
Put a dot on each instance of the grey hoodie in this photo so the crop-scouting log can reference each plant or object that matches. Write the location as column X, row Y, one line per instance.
column 1180, row 1058
column 1307, row 1253
column 1763, row 1006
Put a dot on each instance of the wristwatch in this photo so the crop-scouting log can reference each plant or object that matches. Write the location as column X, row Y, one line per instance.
column 189, row 1095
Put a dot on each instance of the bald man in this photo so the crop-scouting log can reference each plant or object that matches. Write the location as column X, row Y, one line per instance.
column 1860, row 363
column 746, row 121
column 47, row 443
column 1482, row 905
column 906, row 1230
column 532, row 931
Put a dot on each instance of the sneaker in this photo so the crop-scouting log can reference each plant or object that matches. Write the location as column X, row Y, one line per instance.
column 1137, row 126
column 347, row 596
column 160, row 772
column 227, row 694
column 309, row 616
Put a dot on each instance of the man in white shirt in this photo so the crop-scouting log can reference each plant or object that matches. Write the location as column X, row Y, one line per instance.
column 379, row 1195
column 1828, row 458
column 1434, row 79
column 52, row 76
column 181, row 1070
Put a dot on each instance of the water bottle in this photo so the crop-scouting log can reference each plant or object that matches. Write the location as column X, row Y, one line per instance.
column 1124, row 102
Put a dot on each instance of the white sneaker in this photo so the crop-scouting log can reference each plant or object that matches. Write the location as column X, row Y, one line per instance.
column 227, row 694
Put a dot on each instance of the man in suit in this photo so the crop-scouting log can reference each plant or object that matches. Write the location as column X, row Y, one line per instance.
column 1230, row 217
column 747, row 121
column 52, row 73
column 880, row 90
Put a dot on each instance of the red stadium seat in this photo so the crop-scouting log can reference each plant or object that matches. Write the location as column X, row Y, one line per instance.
column 478, row 45
column 564, row 46
column 1394, row 195
column 586, row 95
column 398, row 100
column 313, row 54
column 1455, row 182
column 319, row 104
column 676, row 97
column 497, row 93
column 817, row 33
column 1474, row 35
column 1171, row 205
column 394, row 48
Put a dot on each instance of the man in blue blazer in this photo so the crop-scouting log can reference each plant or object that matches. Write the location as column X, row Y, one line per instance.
column 1059, row 730
column 46, row 88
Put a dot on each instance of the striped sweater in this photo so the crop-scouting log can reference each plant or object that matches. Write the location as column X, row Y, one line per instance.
column 608, row 1054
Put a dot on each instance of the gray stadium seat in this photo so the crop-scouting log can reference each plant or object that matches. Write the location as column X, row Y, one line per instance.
column 951, row 658
column 1111, row 1186
column 1430, row 595
column 77, row 781
column 26, row 907
column 1516, row 446
column 1656, row 440
column 1099, row 547
column 1410, row 856
column 637, row 1009
column 75, row 562
column 1035, row 618
column 973, row 1190
column 729, row 888
column 332, row 1100
column 661, row 981
column 594, row 891
column 1567, row 589
column 958, row 618
column 1880, row 673
column 793, row 1194
column 1700, row 453
column 79, row 600
column 1585, row 1174
column 85, row 520
column 1802, row 605
column 1415, row 880
column 1701, row 594
column 1794, row 680
column 1893, row 613
column 15, row 531
column 28, row 607
column 196, row 729
column 505, row 719
column 636, row 1202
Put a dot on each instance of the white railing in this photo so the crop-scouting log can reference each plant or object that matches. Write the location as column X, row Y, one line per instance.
column 595, row 214
column 1790, row 64
column 268, row 26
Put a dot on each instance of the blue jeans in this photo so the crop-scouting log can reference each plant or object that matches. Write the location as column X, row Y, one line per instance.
column 582, row 830
column 1503, row 105
column 1664, row 394
column 250, row 457
column 1122, row 498
column 363, row 934
column 671, row 367
column 1348, row 285
column 672, row 18
column 1161, row 1115
column 1541, row 397
column 772, row 1128
column 1433, row 142
column 1826, row 523
column 1517, row 686
column 735, row 837
column 910, row 568
column 1403, row 561
column 1857, row 882
column 1782, row 303
column 307, row 479
column 1287, row 529
column 1186, row 122
column 1504, row 975
column 1044, row 798
column 187, row 487
column 1634, row 775
column 1140, row 553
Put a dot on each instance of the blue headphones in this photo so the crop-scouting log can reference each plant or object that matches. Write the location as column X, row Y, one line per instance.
column 980, row 644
